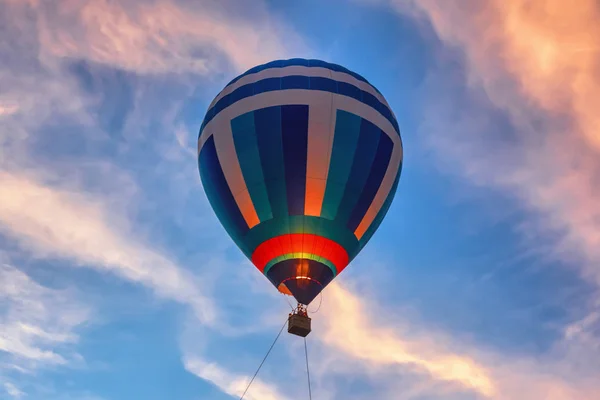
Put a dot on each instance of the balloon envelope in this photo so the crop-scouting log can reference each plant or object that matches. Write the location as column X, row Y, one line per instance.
column 300, row 160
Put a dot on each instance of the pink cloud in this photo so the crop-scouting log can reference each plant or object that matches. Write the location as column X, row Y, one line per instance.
column 350, row 330
column 163, row 37
column 94, row 231
column 357, row 339
column 91, row 234
column 231, row 383
column 8, row 109
column 540, row 63
column 160, row 37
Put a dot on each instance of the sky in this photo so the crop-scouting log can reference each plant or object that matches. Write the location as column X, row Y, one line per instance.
column 117, row 281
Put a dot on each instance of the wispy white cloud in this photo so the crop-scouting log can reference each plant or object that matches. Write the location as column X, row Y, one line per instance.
column 403, row 359
column 232, row 384
column 8, row 109
column 13, row 391
column 388, row 347
column 162, row 37
column 91, row 236
column 51, row 212
column 32, row 333
column 349, row 329
column 151, row 38
column 538, row 63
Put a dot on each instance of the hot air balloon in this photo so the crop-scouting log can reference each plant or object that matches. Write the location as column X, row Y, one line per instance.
column 300, row 160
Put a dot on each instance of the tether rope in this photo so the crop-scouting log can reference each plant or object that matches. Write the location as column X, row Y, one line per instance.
column 307, row 369
column 320, row 303
column 263, row 361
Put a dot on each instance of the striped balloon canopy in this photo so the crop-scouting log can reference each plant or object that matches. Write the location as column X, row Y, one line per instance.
column 300, row 160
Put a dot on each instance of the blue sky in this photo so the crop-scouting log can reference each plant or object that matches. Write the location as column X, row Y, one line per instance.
column 117, row 281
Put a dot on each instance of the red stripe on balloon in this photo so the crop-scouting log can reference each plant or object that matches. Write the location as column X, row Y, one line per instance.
column 300, row 243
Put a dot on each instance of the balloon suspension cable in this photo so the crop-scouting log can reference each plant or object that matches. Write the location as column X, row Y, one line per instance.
column 288, row 301
column 320, row 303
column 263, row 360
column 307, row 369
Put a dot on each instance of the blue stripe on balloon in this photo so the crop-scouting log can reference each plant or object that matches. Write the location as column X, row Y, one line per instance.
column 324, row 84
column 267, row 85
column 294, row 126
column 295, row 82
column 304, row 63
column 219, row 194
column 378, row 170
column 300, row 82
column 347, row 89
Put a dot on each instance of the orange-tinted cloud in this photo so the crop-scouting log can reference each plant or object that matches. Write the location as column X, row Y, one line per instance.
column 539, row 62
column 379, row 340
column 159, row 37
column 351, row 329
column 550, row 48
column 8, row 109
column 232, row 384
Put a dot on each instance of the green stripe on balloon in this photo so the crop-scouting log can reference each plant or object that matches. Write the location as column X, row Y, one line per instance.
column 347, row 130
column 300, row 256
column 368, row 140
column 246, row 147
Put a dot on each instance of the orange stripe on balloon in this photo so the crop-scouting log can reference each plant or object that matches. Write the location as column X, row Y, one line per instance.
column 284, row 289
column 294, row 243
column 320, row 128
column 315, row 191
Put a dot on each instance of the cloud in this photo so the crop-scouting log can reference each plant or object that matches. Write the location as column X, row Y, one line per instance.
column 553, row 61
column 523, row 122
column 191, row 43
column 8, row 109
column 79, row 206
column 32, row 333
column 13, row 391
column 161, row 37
column 350, row 329
column 154, row 38
column 357, row 340
column 582, row 327
column 59, row 223
column 168, row 38
column 390, row 348
column 539, row 63
column 233, row 385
